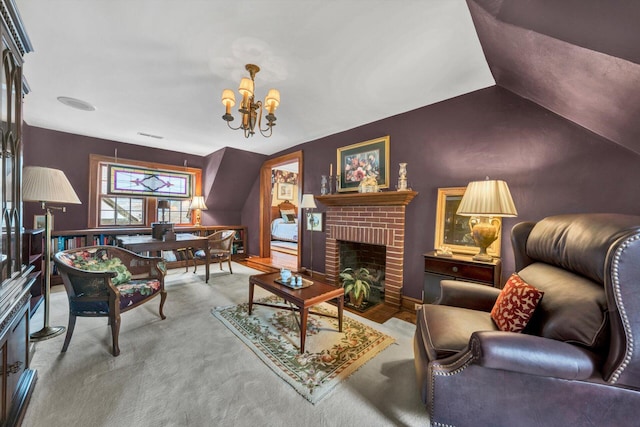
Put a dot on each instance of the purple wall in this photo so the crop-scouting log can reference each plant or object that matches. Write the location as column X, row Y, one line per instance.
column 228, row 177
column 70, row 153
column 552, row 166
column 225, row 189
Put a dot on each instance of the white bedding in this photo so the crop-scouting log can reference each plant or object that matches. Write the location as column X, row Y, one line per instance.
column 281, row 230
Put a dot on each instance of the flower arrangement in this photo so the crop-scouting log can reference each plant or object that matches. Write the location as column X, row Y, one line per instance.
column 368, row 184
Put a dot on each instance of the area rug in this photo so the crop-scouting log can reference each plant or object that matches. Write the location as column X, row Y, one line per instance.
column 330, row 356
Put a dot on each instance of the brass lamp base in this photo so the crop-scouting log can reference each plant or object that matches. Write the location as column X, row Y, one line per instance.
column 484, row 232
column 47, row 332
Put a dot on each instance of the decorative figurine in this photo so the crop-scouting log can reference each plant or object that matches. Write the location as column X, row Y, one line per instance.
column 402, row 180
column 323, row 185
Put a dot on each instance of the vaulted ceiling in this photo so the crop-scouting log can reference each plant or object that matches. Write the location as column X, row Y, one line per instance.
column 158, row 66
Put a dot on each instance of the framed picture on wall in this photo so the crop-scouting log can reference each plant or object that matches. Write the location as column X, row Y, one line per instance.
column 314, row 221
column 453, row 230
column 284, row 191
column 359, row 161
column 39, row 221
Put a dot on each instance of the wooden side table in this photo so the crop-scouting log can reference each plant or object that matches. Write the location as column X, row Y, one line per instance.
column 457, row 267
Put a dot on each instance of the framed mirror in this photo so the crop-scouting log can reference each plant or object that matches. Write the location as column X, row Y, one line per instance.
column 454, row 231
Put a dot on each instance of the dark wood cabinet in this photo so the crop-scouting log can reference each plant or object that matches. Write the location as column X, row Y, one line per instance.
column 457, row 267
column 17, row 271
column 32, row 255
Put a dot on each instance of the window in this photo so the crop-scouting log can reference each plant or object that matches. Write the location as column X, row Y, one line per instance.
column 177, row 213
column 118, row 210
column 135, row 210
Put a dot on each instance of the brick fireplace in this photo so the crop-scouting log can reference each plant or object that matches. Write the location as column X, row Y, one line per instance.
column 371, row 218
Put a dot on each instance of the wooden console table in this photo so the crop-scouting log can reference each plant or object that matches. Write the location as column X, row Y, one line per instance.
column 457, row 267
column 149, row 244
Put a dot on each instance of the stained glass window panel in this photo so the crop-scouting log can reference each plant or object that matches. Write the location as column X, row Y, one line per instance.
column 136, row 181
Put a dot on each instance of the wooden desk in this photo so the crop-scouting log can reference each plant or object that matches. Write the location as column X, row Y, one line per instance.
column 183, row 240
column 303, row 298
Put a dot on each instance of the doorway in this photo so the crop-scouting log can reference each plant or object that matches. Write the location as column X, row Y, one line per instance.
column 281, row 183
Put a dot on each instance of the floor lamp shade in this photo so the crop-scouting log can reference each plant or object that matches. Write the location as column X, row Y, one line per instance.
column 308, row 202
column 46, row 185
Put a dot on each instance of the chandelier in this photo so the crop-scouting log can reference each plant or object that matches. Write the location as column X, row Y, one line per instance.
column 251, row 111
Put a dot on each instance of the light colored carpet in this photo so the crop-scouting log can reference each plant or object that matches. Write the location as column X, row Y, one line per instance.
column 190, row 370
column 330, row 356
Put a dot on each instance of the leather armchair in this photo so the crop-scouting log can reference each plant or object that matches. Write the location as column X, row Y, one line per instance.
column 574, row 364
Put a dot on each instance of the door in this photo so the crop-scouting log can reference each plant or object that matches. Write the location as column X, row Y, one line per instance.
column 266, row 200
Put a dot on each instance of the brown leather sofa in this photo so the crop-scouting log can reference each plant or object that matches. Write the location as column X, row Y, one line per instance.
column 577, row 362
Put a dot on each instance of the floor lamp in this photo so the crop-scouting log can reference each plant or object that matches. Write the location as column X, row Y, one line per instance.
column 46, row 185
column 309, row 204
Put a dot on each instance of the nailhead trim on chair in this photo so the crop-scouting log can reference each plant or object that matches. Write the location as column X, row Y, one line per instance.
column 464, row 361
column 623, row 313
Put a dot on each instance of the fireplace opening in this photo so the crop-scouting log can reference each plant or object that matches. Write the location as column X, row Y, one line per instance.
column 357, row 255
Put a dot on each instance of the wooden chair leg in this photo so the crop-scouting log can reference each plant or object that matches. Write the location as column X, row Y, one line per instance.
column 193, row 257
column 230, row 270
column 70, row 328
column 163, row 297
column 115, row 330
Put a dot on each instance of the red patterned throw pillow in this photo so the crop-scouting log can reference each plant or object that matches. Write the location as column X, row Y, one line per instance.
column 515, row 305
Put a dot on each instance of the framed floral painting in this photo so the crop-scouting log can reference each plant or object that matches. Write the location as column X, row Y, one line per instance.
column 364, row 160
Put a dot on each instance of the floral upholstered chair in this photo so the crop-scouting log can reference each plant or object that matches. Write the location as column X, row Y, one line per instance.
column 105, row 281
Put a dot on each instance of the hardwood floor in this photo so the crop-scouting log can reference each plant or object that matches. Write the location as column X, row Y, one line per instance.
column 379, row 313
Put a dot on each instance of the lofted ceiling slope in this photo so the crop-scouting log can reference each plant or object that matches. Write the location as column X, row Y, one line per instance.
column 577, row 58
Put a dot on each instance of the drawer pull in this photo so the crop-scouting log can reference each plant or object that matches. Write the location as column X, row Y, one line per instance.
column 14, row 369
column 454, row 269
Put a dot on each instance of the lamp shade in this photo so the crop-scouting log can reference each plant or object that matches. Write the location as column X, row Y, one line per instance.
column 49, row 185
column 308, row 202
column 246, row 87
column 487, row 198
column 198, row 203
column 272, row 100
column 228, row 98
column 163, row 204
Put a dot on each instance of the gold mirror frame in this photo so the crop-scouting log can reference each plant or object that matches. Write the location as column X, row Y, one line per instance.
column 453, row 230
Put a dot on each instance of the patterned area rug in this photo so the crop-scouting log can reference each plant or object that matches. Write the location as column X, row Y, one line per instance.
column 329, row 357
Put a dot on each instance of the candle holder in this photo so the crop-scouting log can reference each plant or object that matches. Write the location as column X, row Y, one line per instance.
column 333, row 184
column 323, row 186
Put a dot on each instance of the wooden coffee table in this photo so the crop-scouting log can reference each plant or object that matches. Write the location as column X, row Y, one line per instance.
column 303, row 299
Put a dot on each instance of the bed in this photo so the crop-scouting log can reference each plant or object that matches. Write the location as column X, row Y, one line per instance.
column 284, row 222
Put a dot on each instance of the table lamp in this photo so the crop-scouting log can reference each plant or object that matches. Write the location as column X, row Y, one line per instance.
column 46, row 185
column 163, row 204
column 197, row 204
column 309, row 204
column 483, row 201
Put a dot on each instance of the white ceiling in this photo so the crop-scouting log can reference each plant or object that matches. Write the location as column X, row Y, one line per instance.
column 159, row 66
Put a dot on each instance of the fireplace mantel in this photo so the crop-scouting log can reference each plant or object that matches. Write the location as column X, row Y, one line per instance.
column 384, row 198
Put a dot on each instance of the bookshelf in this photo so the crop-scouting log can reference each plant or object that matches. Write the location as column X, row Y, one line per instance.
column 70, row 239
column 32, row 255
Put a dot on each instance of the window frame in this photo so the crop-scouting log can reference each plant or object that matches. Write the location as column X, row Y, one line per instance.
column 151, row 208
